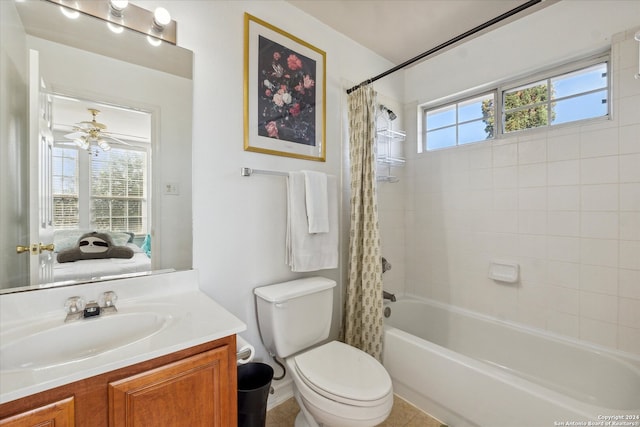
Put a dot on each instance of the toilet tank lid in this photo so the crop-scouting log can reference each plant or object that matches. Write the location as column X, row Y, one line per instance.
column 280, row 292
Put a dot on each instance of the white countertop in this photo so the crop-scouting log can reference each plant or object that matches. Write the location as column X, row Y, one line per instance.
column 194, row 319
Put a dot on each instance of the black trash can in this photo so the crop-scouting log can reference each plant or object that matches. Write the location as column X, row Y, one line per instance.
column 254, row 381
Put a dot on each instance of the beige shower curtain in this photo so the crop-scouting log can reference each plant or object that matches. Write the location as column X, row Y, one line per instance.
column 363, row 306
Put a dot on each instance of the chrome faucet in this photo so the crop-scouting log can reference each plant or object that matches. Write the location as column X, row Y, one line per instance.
column 77, row 309
column 388, row 295
column 386, row 265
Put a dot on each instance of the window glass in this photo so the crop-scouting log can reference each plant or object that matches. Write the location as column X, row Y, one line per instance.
column 544, row 101
column 463, row 122
column 580, row 81
column 65, row 188
column 441, row 117
column 441, row 138
column 118, row 190
column 580, row 107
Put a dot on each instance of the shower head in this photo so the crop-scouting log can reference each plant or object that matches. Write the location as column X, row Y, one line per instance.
column 391, row 114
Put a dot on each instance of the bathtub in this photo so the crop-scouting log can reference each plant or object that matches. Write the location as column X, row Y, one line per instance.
column 467, row 369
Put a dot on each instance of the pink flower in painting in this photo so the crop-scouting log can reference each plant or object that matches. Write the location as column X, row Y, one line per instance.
column 272, row 129
column 267, row 92
column 276, row 56
column 277, row 99
column 293, row 62
column 308, row 82
column 295, row 110
column 299, row 88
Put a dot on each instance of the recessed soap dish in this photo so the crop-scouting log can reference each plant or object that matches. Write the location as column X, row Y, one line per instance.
column 504, row 271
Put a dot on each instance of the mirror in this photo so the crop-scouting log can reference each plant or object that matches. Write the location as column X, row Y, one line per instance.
column 88, row 66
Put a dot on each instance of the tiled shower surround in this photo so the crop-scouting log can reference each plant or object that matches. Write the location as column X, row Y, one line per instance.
column 562, row 203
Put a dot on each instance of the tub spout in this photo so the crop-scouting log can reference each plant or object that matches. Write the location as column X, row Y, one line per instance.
column 386, row 265
column 388, row 295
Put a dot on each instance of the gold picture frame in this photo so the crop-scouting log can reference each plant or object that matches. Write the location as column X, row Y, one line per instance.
column 284, row 93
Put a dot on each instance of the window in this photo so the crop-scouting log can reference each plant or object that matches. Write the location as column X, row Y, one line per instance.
column 459, row 123
column 577, row 92
column 65, row 188
column 118, row 191
column 578, row 95
column 116, row 182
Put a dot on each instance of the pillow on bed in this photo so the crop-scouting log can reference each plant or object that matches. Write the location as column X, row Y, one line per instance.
column 94, row 245
column 67, row 239
column 119, row 238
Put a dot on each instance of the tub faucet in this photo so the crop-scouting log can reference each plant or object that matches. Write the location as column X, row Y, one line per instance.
column 386, row 265
column 388, row 295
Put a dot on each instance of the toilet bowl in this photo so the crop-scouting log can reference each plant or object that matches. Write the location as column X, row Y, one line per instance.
column 340, row 385
column 335, row 384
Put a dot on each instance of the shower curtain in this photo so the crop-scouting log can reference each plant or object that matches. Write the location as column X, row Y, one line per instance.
column 363, row 326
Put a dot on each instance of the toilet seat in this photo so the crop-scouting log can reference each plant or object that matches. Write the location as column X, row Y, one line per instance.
column 344, row 374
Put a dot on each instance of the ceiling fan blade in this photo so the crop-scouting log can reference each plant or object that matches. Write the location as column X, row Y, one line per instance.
column 100, row 126
column 118, row 141
column 74, row 135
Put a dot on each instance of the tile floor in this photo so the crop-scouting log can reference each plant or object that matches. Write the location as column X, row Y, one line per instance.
column 403, row 414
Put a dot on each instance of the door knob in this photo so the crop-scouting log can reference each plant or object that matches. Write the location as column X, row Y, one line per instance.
column 48, row 247
column 23, row 249
column 35, row 248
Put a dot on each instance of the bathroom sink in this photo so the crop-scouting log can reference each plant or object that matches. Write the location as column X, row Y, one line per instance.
column 69, row 342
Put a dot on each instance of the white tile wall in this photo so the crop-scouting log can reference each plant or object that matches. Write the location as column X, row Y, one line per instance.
column 564, row 204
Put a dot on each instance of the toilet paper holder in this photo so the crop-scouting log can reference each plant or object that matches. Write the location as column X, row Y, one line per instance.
column 243, row 354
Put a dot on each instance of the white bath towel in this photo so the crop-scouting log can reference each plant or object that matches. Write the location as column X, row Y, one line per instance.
column 310, row 252
column 315, row 187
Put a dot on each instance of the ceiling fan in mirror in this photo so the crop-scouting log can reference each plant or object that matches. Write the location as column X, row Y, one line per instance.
column 91, row 133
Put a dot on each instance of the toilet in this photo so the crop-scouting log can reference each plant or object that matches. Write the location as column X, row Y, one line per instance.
column 335, row 384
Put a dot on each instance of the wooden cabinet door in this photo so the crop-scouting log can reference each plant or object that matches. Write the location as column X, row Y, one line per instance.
column 57, row 414
column 192, row 392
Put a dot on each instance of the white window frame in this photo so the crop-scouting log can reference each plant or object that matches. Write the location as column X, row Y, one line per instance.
column 84, row 186
column 501, row 88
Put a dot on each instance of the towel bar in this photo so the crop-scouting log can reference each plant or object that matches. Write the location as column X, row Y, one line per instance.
column 249, row 172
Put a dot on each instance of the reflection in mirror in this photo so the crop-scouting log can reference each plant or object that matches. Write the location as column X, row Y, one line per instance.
column 100, row 183
column 63, row 174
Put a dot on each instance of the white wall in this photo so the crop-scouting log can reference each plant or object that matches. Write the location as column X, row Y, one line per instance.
column 239, row 222
column 563, row 203
column 14, row 158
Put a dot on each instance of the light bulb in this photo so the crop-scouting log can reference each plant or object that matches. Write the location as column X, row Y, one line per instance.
column 155, row 42
column 119, row 5
column 161, row 17
column 115, row 27
column 104, row 145
column 69, row 13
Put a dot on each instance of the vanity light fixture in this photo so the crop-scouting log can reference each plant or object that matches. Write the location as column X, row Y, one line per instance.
column 161, row 18
column 157, row 24
column 116, row 7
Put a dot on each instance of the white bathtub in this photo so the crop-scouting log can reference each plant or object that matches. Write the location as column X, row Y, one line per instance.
column 468, row 369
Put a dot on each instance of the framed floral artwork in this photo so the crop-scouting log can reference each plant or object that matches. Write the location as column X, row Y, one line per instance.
column 284, row 93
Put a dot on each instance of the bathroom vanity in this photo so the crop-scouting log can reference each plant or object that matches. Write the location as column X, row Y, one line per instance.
column 166, row 357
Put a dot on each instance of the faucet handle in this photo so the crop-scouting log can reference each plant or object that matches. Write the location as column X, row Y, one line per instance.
column 74, row 305
column 108, row 299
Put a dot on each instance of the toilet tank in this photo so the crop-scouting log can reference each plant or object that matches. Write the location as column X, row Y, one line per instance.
column 294, row 315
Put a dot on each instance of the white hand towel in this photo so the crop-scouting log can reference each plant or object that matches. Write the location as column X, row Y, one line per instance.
column 310, row 252
column 317, row 203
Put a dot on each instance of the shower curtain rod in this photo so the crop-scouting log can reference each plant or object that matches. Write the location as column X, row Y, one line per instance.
column 450, row 42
